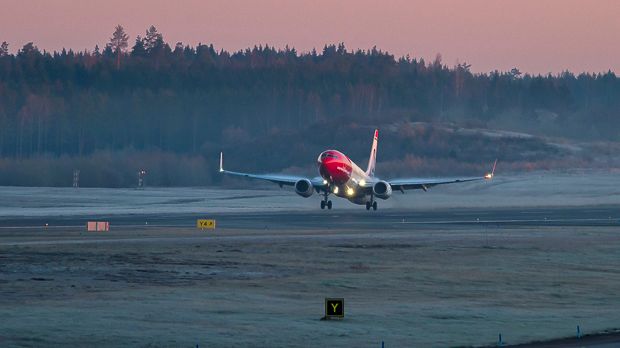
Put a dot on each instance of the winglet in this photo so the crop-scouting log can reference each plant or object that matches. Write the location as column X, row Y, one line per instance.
column 490, row 175
column 221, row 162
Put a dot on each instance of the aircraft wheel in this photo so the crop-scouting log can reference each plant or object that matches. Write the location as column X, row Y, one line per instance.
column 322, row 204
column 374, row 205
column 329, row 205
column 367, row 205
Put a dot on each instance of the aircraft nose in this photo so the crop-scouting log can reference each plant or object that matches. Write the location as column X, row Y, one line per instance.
column 322, row 166
column 323, row 159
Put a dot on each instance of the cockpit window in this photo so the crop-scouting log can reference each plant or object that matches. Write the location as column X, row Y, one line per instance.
column 328, row 155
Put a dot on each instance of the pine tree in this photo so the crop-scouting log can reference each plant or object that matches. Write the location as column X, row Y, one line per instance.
column 29, row 50
column 118, row 43
column 4, row 49
column 153, row 41
column 138, row 49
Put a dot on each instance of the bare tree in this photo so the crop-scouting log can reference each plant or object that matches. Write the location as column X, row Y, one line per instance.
column 118, row 43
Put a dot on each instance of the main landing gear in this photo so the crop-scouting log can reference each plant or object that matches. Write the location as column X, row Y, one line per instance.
column 372, row 204
column 326, row 202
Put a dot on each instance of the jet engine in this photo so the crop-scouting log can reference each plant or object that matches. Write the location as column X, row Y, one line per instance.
column 382, row 189
column 304, row 188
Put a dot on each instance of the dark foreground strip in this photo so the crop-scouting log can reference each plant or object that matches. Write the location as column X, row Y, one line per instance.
column 607, row 338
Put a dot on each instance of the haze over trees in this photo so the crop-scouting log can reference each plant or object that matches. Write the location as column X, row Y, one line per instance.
column 173, row 108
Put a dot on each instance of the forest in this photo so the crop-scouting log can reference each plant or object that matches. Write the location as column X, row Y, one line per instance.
column 171, row 108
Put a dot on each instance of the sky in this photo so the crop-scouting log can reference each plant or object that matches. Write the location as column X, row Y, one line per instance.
column 535, row 36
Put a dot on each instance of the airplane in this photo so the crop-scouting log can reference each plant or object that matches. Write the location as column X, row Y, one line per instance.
column 341, row 177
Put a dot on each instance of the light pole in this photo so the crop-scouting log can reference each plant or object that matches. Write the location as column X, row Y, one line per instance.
column 141, row 175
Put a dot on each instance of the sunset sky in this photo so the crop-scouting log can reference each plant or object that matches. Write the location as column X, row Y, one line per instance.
column 537, row 36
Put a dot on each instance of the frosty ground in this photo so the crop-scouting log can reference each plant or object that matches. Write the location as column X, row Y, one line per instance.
column 529, row 258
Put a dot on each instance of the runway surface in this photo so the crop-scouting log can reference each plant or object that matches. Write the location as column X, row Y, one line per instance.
column 608, row 215
column 529, row 257
column 436, row 277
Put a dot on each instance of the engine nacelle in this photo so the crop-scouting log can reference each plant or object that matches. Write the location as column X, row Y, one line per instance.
column 304, row 188
column 382, row 189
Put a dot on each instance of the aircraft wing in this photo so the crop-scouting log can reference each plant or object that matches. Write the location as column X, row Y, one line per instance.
column 280, row 179
column 422, row 183
column 425, row 183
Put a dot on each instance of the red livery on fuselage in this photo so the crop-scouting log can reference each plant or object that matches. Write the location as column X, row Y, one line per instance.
column 335, row 167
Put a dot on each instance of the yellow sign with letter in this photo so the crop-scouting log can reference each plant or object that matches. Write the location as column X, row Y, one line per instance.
column 205, row 223
column 334, row 308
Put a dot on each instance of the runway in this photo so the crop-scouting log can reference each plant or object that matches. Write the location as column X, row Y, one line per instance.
column 423, row 277
column 607, row 215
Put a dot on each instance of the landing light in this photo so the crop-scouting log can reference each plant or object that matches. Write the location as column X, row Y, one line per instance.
column 324, row 182
column 350, row 191
column 362, row 182
column 488, row 176
column 336, row 189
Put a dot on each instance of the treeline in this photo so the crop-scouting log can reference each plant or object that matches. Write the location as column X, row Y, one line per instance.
column 148, row 95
